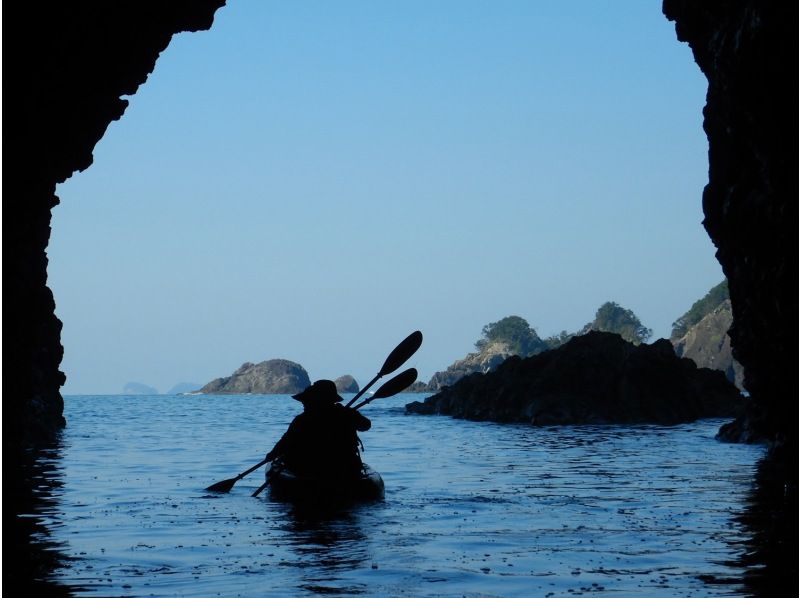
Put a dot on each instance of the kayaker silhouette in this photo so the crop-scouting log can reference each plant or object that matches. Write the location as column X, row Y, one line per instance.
column 323, row 440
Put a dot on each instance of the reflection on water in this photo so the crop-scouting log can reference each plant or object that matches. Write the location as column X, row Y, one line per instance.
column 325, row 545
column 769, row 554
column 471, row 509
column 31, row 513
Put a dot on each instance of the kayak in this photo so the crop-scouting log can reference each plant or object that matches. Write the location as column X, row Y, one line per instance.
column 284, row 484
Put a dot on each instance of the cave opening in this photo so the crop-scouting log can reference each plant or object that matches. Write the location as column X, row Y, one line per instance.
column 292, row 161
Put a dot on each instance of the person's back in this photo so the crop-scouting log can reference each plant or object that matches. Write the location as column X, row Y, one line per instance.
column 323, row 441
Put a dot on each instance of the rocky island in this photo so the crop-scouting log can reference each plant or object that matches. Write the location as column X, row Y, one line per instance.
column 346, row 384
column 274, row 376
column 271, row 377
column 594, row 378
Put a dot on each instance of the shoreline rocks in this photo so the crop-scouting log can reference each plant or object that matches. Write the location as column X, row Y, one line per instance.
column 592, row 379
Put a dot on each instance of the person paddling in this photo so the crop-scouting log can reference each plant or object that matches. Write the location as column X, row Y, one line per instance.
column 323, row 440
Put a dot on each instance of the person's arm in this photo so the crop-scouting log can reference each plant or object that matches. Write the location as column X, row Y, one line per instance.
column 284, row 443
column 360, row 423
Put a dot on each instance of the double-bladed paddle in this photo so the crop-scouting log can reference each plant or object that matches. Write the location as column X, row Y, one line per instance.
column 399, row 355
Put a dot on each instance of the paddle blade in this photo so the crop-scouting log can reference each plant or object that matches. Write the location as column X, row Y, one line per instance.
column 401, row 353
column 223, row 486
column 397, row 384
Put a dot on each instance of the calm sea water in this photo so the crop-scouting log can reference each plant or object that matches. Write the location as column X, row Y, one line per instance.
column 471, row 509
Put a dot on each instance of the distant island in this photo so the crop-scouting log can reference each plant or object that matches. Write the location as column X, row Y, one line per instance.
column 137, row 388
column 346, row 384
column 274, row 376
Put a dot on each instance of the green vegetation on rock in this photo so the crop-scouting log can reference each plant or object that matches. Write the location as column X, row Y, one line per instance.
column 612, row 317
column 700, row 309
column 515, row 333
column 555, row 341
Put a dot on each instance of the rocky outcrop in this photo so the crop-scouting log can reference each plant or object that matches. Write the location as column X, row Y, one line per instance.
column 274, row 376
column 594, row 378
column 417, row 387
column 750, row 202
column 707, row 344
column 346, row 384
column 184, row 388
column 491, row 356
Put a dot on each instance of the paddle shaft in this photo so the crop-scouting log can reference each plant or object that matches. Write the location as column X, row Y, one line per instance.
column 252, row 469
column 260, row 488
column 363, row 390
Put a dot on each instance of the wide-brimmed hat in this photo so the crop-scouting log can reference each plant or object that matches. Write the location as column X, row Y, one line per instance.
column 322, row 391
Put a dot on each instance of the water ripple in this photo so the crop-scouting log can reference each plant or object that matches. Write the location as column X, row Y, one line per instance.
column 472, row 508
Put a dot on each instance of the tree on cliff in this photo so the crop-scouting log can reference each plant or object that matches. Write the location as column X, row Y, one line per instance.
column 555, row 341
column 612, row 317
column 516, row 333
column 700, row 309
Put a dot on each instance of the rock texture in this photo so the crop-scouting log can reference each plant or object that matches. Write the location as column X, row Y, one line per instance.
column 594, row 378
column 748, row 52
column 707, row 344
column 491, row 356
column 271, row 377
column 417, row 387
column 346, row 383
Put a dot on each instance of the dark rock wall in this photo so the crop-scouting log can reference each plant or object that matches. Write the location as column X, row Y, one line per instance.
column 748, row 52
column 64, row 73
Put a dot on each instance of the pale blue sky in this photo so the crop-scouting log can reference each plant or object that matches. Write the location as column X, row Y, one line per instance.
column 315, row 180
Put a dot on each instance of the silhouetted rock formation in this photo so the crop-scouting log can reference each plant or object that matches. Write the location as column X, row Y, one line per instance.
column 747, row 51
column 274, row 376
column 594, row 378
column 63, row 89
column 707, row 344
column 346, row 383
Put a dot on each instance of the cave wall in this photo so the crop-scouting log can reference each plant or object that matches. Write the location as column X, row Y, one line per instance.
column 64, row 75
column 748, row 52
